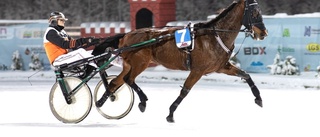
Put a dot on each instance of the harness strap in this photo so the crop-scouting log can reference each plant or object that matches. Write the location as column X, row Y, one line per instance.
column 222, row 44
column 213, row 31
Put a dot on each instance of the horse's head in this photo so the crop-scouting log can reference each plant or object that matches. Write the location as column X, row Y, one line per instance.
column 253, row 21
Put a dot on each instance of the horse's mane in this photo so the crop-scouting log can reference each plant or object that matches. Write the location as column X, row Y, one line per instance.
column 216, row 19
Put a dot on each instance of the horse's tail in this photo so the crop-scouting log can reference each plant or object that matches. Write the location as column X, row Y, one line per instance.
column 112, row 41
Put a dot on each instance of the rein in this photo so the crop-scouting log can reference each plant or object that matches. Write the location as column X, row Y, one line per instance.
column 220, row 30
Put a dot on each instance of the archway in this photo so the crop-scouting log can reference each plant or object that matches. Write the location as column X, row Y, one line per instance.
column 148, row 13
column 144, row 18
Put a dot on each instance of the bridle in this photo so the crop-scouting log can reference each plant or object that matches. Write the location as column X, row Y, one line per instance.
column 249, row 19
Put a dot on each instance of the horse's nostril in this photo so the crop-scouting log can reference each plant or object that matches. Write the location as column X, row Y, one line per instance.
column 266, row 32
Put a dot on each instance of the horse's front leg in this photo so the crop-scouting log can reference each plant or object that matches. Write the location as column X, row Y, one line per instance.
column 183, row 93
column 230, row 69
column 253, row 87
column 193, row 77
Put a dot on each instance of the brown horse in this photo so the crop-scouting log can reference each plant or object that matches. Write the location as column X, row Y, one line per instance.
column 207, row 56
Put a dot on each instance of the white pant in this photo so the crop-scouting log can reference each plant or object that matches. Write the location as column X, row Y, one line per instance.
column 74, row 56
column 81, row 54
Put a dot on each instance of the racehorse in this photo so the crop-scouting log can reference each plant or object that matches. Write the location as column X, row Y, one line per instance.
column 213, row 44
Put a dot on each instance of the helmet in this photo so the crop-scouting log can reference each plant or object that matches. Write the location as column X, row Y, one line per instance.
column 54, row 16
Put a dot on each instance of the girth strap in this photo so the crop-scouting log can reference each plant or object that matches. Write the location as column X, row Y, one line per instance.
column 188, row 61
column 190, row 48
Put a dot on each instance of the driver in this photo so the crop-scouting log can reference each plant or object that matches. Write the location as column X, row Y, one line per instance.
column 61, row 48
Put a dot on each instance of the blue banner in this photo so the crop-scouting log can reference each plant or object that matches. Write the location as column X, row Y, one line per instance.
column 22, row 47
column 293, row 36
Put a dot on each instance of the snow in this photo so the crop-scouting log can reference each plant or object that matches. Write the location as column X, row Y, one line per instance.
column 218, row 105
column 285, row 15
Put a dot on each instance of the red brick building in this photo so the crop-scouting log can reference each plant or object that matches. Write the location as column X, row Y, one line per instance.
column 143, row 13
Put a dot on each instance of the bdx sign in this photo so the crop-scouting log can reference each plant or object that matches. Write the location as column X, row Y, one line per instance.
column 254, row 51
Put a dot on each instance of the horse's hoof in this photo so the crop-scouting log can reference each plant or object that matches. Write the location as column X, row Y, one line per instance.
column 258, row 102
column 170, row 119
column 99, row 104
column 112, row 98
column 142, row 106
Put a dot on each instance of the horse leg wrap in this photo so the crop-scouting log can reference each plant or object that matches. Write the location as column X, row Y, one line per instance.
column 173, row 108
column 175, row 104
column 255, row 91
column 143, row 97
column 183, row 93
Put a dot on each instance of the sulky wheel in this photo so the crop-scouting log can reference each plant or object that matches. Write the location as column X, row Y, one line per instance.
column 118, row 104
column 81, row 101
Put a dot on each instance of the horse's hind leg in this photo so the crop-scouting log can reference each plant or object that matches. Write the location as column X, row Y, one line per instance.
column 193, row 77
column 230, row 69
column 143, row 97
column 137, row 65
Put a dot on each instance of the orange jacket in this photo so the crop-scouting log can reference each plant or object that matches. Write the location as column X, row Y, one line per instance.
column 53, row 51
column 64, row 42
